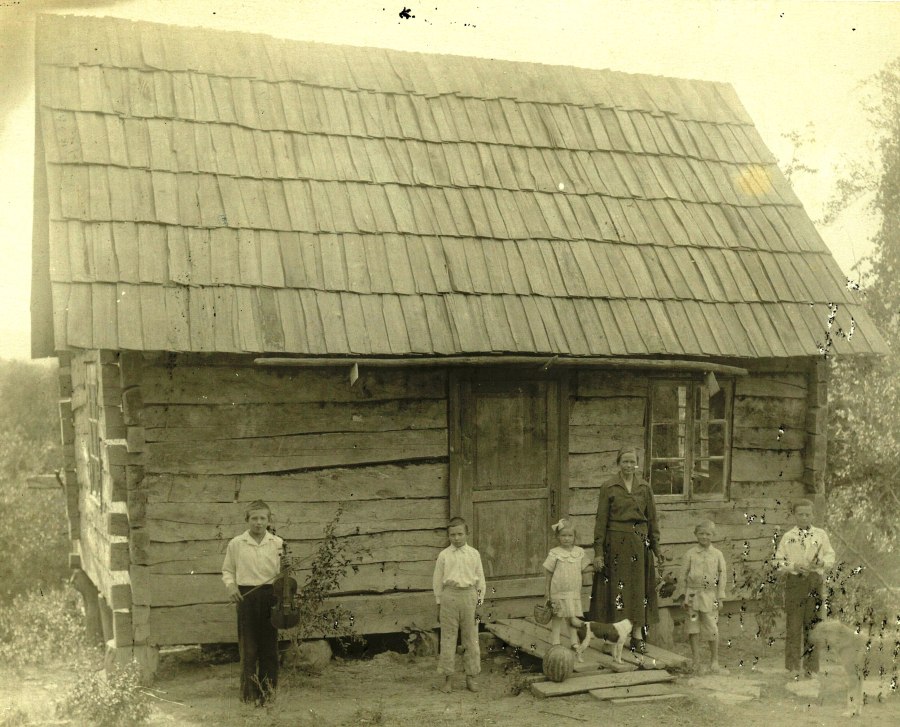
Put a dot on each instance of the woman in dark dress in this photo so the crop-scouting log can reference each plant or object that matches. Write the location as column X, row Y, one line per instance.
column 626, row 541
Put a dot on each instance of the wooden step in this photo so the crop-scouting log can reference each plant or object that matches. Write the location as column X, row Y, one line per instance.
column 631, row 691
column 538, row 634
column 533, row 643
column 581, row 684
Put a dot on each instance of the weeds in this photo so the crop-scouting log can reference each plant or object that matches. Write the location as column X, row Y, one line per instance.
column 108, row 699
column 366, row 716
column 42, row 626
column 14, row 717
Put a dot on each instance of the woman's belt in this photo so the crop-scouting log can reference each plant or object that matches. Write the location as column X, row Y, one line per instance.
column 627, row 526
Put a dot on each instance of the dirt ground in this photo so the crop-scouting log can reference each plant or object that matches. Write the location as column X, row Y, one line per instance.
column 398, row 689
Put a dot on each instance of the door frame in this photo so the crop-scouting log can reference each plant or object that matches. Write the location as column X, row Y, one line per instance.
column 460, row 389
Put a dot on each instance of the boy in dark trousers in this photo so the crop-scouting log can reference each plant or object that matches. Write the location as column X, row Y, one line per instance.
column 252, row 563
column 803, row 556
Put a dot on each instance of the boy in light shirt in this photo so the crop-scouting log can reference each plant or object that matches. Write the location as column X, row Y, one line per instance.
column 459, row 588
column 704, row 590
column 803, row 556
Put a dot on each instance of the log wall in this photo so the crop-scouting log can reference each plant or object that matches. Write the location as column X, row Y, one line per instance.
column 221, row 432
column 202, row 436
column 98, row 521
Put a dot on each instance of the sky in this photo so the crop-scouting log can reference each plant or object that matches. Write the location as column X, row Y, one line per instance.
column 792, row 64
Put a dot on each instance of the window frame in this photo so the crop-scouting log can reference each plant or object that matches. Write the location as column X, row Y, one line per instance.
column 94, row 463
column 694, row 383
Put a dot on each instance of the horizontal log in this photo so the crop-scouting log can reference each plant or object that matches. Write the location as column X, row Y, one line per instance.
column 606, row 438
column 754, row 411
column 591, row 470
column 206, row 556
column 254, row 385
column 173, row 522
column 337, row 484
column 762, row 465
column 782, row 386
column 180, row 590
column 303, row 451
column 775, row 438
column 211, row 422
column 779, row 492
column 620, row 410
column 387, row 613
column 609, row 383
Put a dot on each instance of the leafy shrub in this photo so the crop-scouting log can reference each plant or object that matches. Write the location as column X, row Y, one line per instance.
column 42, row 626
column 331, row 563
column 113, row 698
column 33, row 530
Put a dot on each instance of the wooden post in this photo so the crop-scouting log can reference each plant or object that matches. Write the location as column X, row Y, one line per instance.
column 92, row 612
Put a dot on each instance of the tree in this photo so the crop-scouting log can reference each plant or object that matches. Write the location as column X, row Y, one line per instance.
column 864, row 419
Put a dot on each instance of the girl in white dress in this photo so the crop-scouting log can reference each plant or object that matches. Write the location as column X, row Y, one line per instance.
column 563, row 568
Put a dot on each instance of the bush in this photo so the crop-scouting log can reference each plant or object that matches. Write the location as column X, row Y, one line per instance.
column 108, row 699
column 42, row 626
column 33, row 530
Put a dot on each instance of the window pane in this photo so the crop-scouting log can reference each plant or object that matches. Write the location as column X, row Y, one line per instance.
column 667, row 478
column 668, row 440
column 669, row 402
column 717, row 404
column 708, row 477
column 709, row 439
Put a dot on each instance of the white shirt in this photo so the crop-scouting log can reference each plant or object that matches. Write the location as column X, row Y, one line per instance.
column 248, row 563
column 808, row 549
column 458, row 567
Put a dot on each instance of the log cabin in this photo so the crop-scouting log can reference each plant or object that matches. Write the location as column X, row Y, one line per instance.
column 416, row 286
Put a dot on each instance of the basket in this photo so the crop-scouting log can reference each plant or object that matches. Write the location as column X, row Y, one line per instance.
column 543, row 612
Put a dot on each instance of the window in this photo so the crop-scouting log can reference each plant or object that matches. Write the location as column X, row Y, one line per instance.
column 690, row 438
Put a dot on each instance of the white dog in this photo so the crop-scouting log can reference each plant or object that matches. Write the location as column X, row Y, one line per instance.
column 849, row 647
column 616, row 633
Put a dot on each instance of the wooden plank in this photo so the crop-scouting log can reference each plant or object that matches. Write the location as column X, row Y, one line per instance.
column 235, row 385
column 535, row 640
column 220, row 421
column 581, row 684
column 337, row 484
column 173, row 522
column 653, row 698
column 626, row 693
column 761, row 465
column 205, row 556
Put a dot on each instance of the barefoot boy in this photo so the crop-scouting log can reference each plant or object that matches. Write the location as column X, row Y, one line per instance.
column 704, row 590
column 459, row 588
column 803, row 556
column 253, row 559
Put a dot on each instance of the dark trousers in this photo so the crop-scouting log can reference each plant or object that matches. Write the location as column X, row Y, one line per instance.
column 258, row 642
column 803, row 610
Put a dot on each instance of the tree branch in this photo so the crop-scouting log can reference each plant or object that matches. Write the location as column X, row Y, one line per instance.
column 869, row 567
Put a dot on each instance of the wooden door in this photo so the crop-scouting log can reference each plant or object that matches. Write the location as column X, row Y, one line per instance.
column 507, row 467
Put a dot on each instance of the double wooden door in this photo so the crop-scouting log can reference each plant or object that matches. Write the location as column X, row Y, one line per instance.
column 508, row 436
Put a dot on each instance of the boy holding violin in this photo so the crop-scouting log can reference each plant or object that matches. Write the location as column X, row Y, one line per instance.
column 253, row 560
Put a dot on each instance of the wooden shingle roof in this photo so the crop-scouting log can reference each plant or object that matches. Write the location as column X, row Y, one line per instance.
column 213, row 191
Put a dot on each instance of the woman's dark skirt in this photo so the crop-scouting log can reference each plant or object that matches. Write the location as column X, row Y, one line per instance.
column 626, row 587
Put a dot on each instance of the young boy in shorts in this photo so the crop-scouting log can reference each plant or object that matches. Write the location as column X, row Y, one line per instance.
column 803, row 556
column 459, row 588
column 704, row 580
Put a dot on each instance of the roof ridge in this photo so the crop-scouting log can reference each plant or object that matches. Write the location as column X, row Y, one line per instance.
column 625, row 89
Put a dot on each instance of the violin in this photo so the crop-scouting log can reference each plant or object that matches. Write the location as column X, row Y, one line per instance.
column 286, row 612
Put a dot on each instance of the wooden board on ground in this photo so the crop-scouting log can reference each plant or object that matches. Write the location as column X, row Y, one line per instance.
column 634, row 690
column 529, row 643
column 602, row 648
column 580, row 684
column 654, row 698
column 664, row 657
